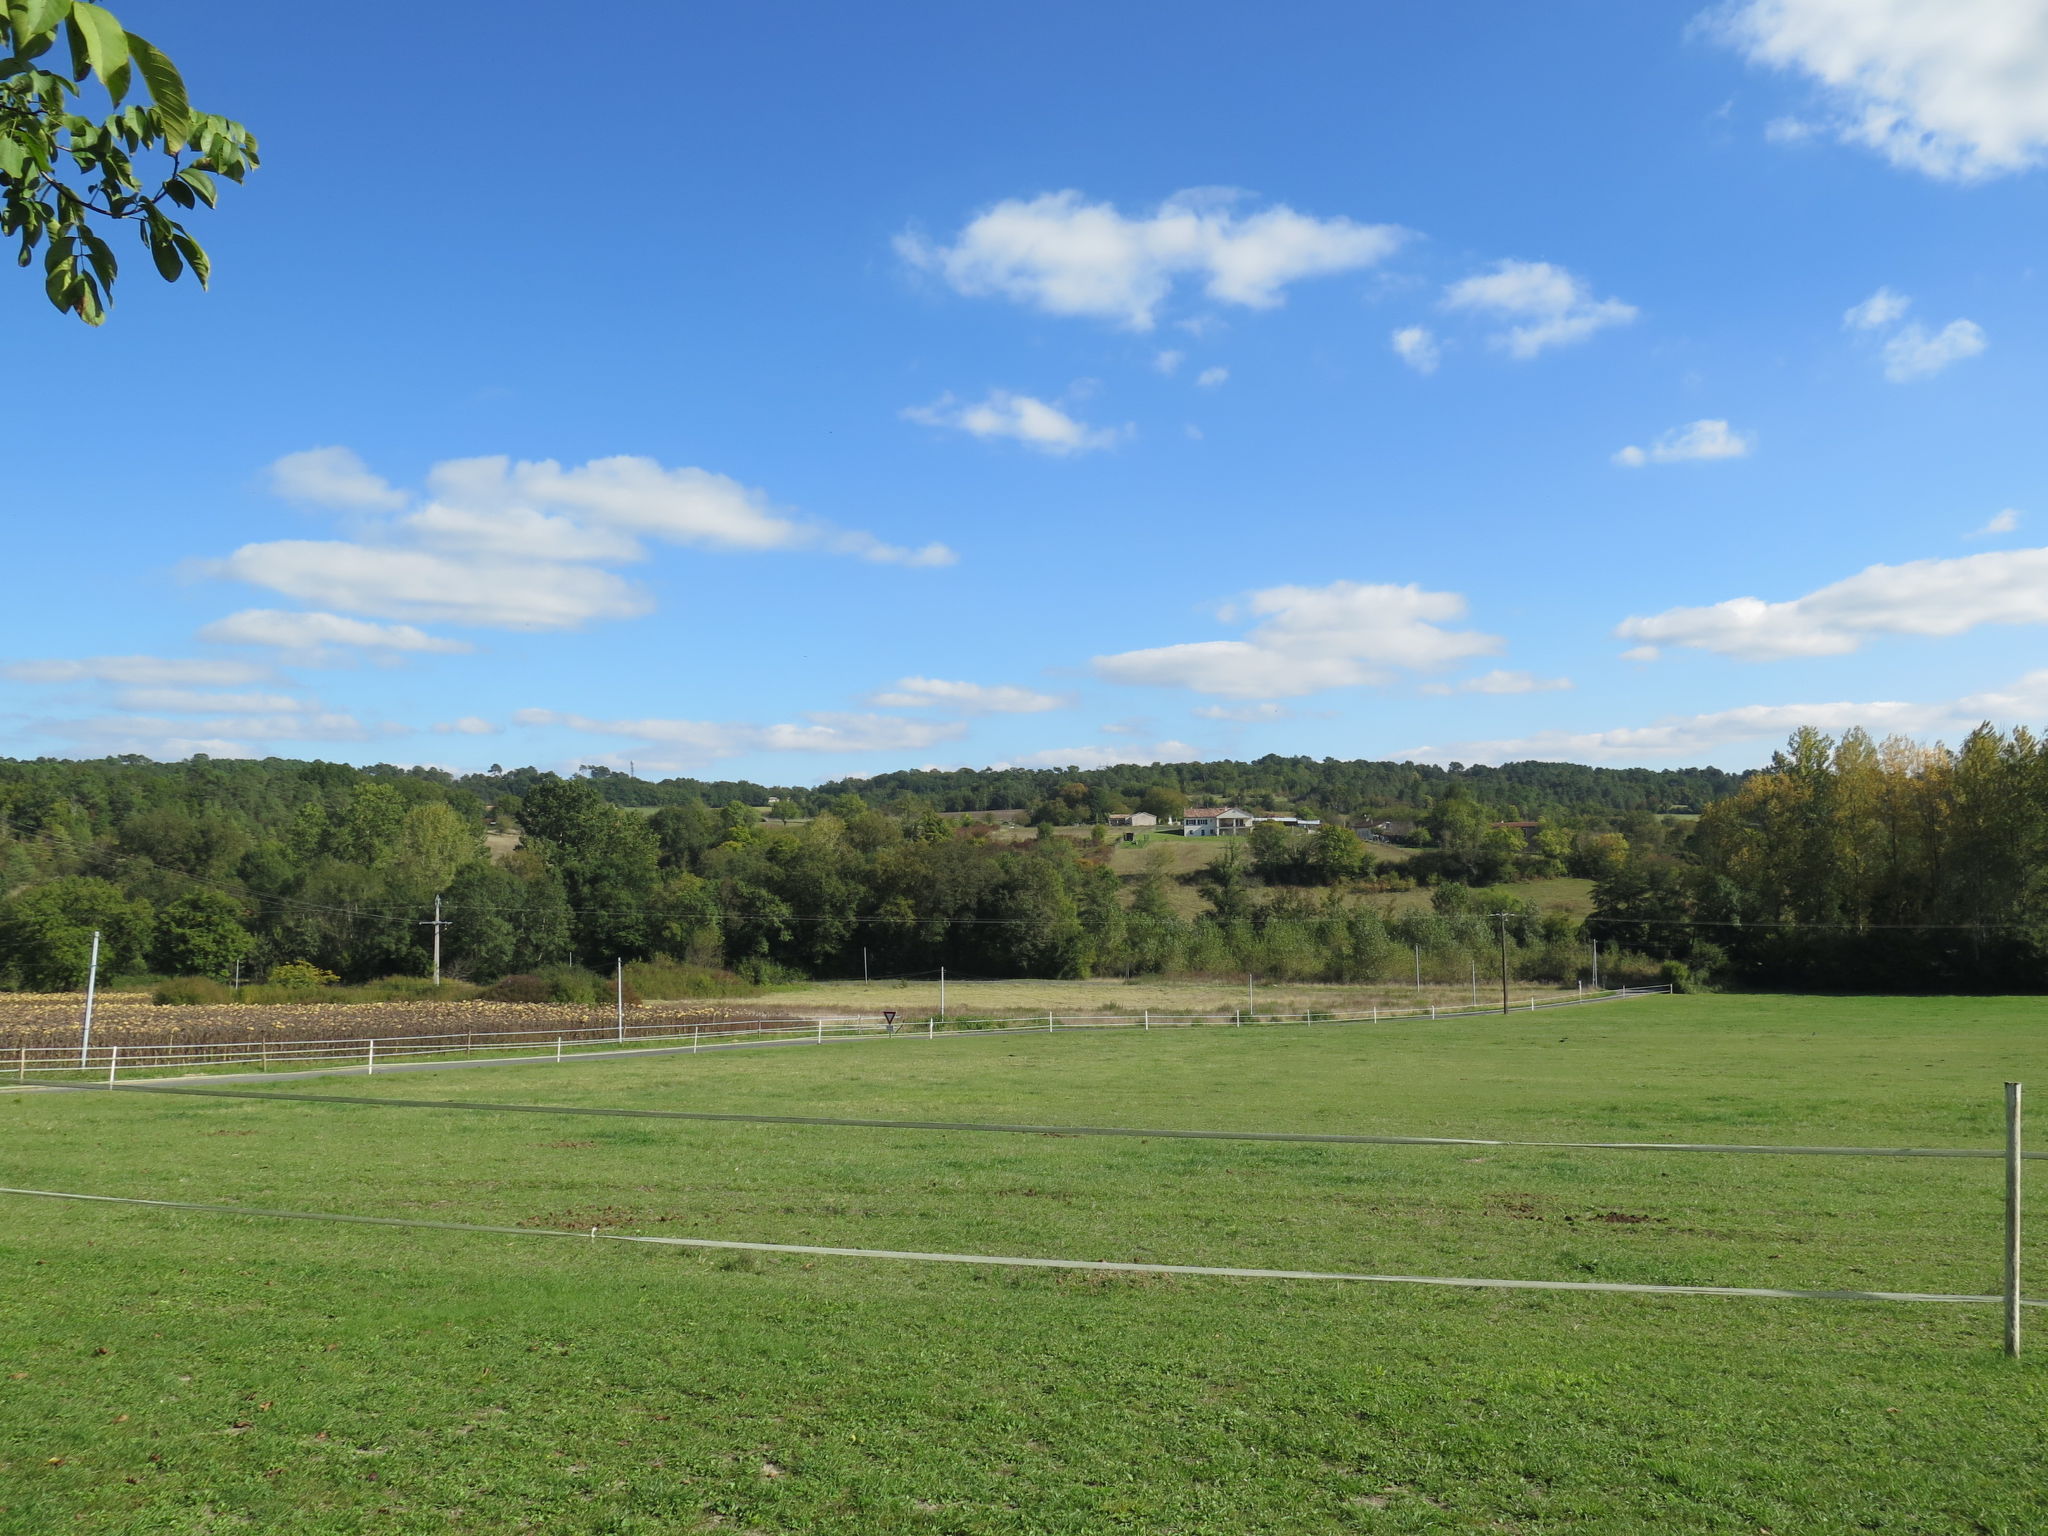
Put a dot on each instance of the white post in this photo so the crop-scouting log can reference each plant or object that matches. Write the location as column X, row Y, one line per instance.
column 22, row 1075
column 370, row 1069
column 437, row 941
column 1048, row 1021
column 864, row 965
column 2013, row 1165
column 1249, row 1005
column 1237, row 1018
column 1432, row 1013
column 113, row 1062
column 821, row 1031
column 619, row 981
column 1418, row 967
column 696, row 1037
column 558, row 1050
column 1532, row 1004
column 942, row 991
column 1148, row 1018
column 92, row 981
column 931, row 1029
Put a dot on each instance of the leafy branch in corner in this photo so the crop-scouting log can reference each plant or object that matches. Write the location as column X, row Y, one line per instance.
column 60, row 170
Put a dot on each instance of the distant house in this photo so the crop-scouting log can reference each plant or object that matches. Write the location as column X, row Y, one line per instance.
column 1214, row 821
column 1310, row 822
column 1528, row 829
column 1134, row 819
column 1386, row 831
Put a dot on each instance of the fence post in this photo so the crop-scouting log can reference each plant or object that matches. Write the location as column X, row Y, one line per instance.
column 370, row 1067
column 931, row 1029
column 113, row 1063
column 21, row 1076
column 1148, row 1018
column 1048, row 1021
column 696, row 1037
column 2013, row 1165
column 821, row 1031
column 558, row 1050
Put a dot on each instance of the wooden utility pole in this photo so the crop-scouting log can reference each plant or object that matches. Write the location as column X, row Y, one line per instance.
column 1502, row 917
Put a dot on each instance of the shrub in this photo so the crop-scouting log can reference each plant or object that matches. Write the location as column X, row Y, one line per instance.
column 560, row 984
column 300, row 973
column 673, row 979
column 182, row 990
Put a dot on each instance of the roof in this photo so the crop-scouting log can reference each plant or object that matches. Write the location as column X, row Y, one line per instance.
column 1209, row 812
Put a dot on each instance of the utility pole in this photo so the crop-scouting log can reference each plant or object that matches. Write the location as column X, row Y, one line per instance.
column 92, row 981
column 1249, row 1006
column 1418, row 967
column 1503, row 960
column 863, row 965
column 619, row 984
column 437, row 925
column 1596, row 965
column 942, row 991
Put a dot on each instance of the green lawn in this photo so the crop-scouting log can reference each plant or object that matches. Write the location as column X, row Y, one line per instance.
column 175, row 1372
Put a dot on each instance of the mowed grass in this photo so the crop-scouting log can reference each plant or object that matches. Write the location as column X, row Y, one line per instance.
column 177, row 1372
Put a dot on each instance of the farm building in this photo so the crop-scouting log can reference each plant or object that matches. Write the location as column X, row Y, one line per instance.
column 1214, row 821
column 1134, row 819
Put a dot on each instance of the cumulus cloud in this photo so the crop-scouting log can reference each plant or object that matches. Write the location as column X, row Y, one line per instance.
column 1696, row 735
column 1501, row 680
column 1209, row 378
column 138, row 671
column 1914, row 353
column 1417, row 347
column 191, row 701
column 1704, row 439
column 2002, row 522
column 333, row 477
column 1344, row 635
column 1881, row 309
column 700, row 741
column 1066, row 256
column 317, row 631
column 1920, row 597
column 1168, row 362
column 219, row 736
column 1956, row 89
column 510, row 544
column 1243, row 714
column 1545, row 306
column 468, row 725
column 1020, row 418
column 969, row 698
column 1103, row 757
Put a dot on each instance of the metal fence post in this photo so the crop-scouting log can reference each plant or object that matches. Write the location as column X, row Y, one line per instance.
column 113, row 1063
column 2013, row 1164
column 370, row 1064
column 558, row 1050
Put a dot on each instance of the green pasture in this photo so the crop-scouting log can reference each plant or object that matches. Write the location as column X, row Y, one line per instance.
column 176, row 1372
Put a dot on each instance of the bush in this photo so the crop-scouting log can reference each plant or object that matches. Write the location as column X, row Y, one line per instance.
column 673, row 979
column 300, row 973
column 560, row 984
column 183, row 990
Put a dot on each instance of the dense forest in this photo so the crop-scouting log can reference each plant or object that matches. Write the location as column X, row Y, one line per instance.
column 223, row 867
column 1846, row 864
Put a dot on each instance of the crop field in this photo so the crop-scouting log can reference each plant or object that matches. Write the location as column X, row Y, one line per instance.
column 55, row 1019
column 174, row 1371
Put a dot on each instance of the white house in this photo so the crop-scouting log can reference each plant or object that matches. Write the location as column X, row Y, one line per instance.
column 1214, row 821
column 1134, row 819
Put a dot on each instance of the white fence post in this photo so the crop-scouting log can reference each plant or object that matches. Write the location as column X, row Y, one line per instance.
column 558, row 1050
column 821, row 1031
column 1048, row 1021
column 113, row 1063
column 370, row 1066
column 2013, row 1165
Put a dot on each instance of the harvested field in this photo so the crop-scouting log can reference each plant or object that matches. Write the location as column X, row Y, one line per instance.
column 39, row 1020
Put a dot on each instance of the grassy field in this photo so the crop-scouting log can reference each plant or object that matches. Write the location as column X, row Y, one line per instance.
column 916, row 999
column 171, row 1372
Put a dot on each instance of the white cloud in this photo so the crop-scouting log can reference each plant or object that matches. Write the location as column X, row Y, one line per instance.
column 1169, row 362
column 2026, row 700
column 1551, row 307
column 1344, row 635
column 468, row 725
column 1209, row 378
column 1881, row 309
column 971, row 698
column 1069, row 257
column 1103, row 757
column 333, row 477
column 138, row 671
column 700, row 741
column 1502, row 681
column 1705, row 439
column 1920, row 597
column 1913, row 353
column 1020, row 418
column 397, row 583
column 1417, row 347
column 515, row 545
column 1789, row 130
column 2003, row 522
column 1956, row 89
column 223, row 736
column 189, row 701
column 315, row 631
column 1243, row 714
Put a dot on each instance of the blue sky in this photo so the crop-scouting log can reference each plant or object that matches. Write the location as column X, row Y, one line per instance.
column 800, row 390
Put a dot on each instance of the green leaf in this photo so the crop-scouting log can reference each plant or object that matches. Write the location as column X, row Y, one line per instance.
column 195, row 258
column 35, row 21
column 165, row 254
column 201, row 183
column 106, row 45
column 166, row 89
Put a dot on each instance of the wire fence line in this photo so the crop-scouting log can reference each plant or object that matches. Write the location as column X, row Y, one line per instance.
column 107, row 1062
column 1023, row 1262
column 1144, row 1133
